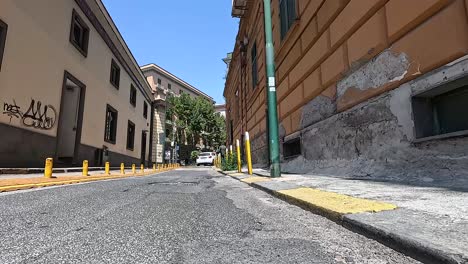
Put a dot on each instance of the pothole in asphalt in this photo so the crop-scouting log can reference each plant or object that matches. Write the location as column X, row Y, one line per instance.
column 174, row 183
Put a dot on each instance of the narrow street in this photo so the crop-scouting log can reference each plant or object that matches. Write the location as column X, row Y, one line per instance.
column 183, row 216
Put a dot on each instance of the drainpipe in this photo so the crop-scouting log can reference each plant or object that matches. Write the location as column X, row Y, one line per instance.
column 272, row 101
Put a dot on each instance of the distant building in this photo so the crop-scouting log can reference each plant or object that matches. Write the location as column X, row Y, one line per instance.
column 164, row 83
column 70, row 88
column 221, row 108
column 364, row 88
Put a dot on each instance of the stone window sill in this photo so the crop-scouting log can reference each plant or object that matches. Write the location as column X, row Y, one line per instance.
column 443, row 136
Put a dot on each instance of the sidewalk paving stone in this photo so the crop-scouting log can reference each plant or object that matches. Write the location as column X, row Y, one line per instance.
column 428, row 223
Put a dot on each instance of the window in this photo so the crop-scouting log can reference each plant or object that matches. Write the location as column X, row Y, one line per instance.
column 159, row 81
column 115, row 74
column 130, row 135
column 145, row 110
column 181, row 92
column 133, row 95
column 287, row 15
column 169, row 86
column 110, row 133
column 3, row 34
column 440, row 112
column 79, row 34
column 292, row 148
column 254, row 65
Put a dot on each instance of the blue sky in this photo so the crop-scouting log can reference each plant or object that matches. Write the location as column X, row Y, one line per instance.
column 188, row 38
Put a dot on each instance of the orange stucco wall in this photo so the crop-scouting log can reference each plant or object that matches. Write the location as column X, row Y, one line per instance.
column 329, row 40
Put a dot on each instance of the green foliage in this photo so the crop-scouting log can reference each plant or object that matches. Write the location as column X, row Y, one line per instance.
column 229, row 163
column 194, row 154
column 197, row 117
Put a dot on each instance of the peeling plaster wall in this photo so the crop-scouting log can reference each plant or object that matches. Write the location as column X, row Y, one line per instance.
column 375, row 139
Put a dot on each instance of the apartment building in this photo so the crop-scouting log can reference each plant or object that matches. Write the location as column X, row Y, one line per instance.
column 221, row 109
column 164, row 83
column 69, row 87
column 365, row 87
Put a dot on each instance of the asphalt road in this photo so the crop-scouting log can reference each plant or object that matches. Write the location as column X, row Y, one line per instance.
column 184, row 216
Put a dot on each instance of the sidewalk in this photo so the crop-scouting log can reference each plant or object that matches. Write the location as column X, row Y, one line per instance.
column 14, row 182
column 428, row 223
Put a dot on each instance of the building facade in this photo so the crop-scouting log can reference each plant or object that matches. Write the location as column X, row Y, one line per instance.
column 163, row 84
column 69, row 87
column 221, row 109
column 365, row 87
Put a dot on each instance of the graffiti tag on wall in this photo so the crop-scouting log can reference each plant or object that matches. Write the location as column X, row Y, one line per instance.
column 37, row 115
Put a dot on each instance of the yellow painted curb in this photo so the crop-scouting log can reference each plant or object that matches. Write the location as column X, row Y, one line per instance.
column 97, row 177
column 236, row 174
column 334, row 203
column 255, row 179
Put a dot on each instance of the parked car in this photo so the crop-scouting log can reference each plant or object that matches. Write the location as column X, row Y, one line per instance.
column 205, row 158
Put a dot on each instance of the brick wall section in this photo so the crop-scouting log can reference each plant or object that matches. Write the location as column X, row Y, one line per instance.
column 333, row 38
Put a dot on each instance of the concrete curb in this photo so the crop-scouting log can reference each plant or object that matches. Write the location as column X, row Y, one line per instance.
column 411, row 247
column 55, row 170
column 18, row 187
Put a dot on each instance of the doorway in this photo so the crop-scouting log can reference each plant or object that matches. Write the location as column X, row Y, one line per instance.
column 70, row 119
column 143, row 146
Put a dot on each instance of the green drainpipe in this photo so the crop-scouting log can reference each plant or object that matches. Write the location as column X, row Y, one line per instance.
column 271, row 86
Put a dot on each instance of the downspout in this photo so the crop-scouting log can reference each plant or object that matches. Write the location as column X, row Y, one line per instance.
column 272, row 100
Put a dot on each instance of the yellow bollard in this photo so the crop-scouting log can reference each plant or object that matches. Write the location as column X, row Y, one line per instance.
column 133, row 169
column 85, row 168
column 107, row 168
column 247, row 150
column 122, row 168
column 142, row 168
column 239, row 164
column 154, row 167
column 49, row 165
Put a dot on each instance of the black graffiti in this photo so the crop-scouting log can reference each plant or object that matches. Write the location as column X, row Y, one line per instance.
column 12, row 110
column 39, row 117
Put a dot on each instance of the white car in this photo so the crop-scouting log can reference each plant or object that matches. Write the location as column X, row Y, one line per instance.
column 206, row 158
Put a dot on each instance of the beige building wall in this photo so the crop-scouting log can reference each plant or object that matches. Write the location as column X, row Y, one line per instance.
column 349, row 76
column 37, row 53
column 159, row 134
column 154, row 72
column 161, row 90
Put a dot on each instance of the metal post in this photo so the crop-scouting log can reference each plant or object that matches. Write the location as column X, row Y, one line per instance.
column 239, row 164
column 107, row 168
column 272, row 111
column 49, row 164
column 122, row 168
column 248, row 153
column 85, row 168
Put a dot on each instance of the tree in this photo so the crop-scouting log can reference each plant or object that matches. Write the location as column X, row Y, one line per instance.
column 196, row 118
